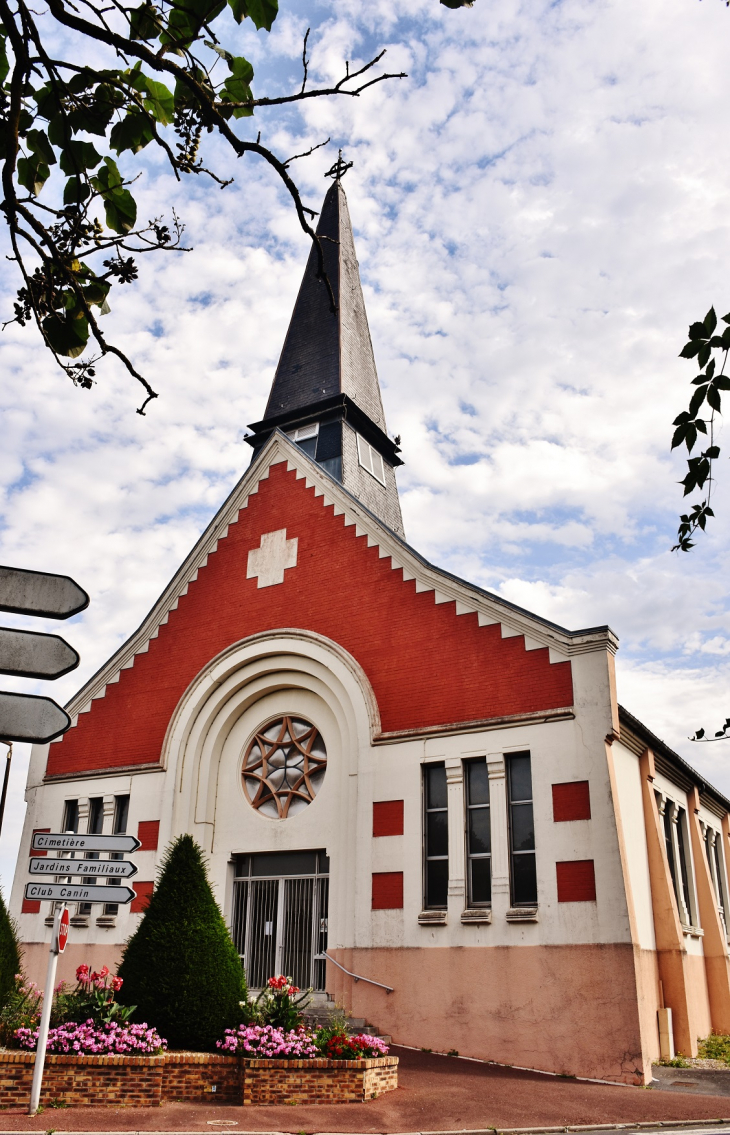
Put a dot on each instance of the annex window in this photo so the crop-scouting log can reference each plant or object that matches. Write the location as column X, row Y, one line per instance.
column 478, row 834
column 95, row 826
column 523, row 870
column 71, row 816
column 119, row 827
column 436, row 842
column 370, row 459
column 306, row 437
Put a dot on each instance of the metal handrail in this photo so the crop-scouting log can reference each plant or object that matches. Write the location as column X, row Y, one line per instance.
column 356, row 976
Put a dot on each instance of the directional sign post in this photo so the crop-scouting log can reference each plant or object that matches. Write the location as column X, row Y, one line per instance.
column 40, row 1052
column 27, row 654
column 47, row 891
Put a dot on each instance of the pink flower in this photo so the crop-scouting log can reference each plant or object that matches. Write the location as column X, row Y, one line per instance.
column 82, row 973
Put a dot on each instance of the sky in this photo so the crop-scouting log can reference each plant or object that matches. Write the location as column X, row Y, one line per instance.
column 539, row 213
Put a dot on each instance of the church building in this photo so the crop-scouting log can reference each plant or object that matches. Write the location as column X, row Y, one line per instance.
column 413, row 795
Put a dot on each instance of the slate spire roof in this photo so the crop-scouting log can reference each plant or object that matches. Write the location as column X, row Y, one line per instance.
column 326, row 380
column 329, row 352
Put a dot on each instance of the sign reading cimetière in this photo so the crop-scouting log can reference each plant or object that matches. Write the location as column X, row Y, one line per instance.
column 67, row 841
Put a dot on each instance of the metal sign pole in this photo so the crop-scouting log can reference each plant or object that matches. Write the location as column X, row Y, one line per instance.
column 40, row 1052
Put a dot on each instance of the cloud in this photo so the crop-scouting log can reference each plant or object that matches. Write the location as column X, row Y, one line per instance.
column 540, row 209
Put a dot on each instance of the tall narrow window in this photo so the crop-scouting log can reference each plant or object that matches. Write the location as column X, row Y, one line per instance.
column 669, row 843
column 436, row 837
column 70, row 824
column 478, row 834
column 119, row 827
column 96, row 823
column 683, row 863
column 522, row 831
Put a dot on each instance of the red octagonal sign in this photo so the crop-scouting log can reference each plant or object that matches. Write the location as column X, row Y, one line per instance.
column 63, row 931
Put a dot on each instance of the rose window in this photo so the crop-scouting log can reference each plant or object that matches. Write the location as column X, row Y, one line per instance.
column 284, row 767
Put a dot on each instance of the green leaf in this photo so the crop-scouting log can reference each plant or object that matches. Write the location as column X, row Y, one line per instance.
column 712, row 452
column 713, row 398
column 697, row 399
column 236, row 88
column 689, row 350
column 184, row 22
column 79, row 156
column 119, row 204
column 68, row 335
column 38, row 142
column 159, row 102
column 722, row 382
column 710, row 321
column 726, row 318
column 145, row 22
column 75, row 191
column 697, row 331
column 33, row 174
column 132, row 133
column 703, row 354
column 262, row 12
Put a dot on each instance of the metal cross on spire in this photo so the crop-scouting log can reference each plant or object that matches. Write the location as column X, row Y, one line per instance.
column 339, row 169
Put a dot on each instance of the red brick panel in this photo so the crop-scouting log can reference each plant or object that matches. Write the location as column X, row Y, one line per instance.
column 30, row 906
column 360, row 602
column 37, row 854
column 388, row 890
column 571, row 801
column 576, row 881
column 388, row 817
column 148, row 833
column 144, row 894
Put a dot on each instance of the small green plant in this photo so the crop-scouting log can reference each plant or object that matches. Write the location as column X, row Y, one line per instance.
column 57, row 1103
column 453, row 1052
column 277, row 1004
column 715, row 1047
column 22, row 1009
column 426, row 1050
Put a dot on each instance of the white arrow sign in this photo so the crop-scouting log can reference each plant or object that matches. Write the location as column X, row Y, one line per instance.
column 89, row 868
column 72, row 892
column 67, row 841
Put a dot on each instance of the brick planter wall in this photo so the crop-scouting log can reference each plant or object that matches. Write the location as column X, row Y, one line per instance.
column 202, row 1077
column 194, row 1077
column 90, row 1081
column 318, row 1081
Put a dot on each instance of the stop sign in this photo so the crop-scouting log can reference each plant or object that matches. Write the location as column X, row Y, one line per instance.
column 63, row 931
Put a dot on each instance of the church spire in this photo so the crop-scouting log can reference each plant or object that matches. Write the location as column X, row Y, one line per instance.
column 325, row 392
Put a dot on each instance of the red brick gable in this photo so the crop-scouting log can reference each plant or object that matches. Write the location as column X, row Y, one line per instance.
column 427, row 666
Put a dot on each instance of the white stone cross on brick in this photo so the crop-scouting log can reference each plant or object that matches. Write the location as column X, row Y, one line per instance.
column 268, row 563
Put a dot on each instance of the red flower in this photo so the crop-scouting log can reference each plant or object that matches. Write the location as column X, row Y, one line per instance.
column 82, row 973
column 117, row 984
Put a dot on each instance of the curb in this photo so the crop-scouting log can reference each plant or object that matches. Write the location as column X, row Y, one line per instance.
column 655, row 1125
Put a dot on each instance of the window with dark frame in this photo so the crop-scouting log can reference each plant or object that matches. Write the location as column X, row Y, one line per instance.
column 523, row 869
column 681, row 820
column 119, row 827
column 478, row 834
column 70, row 824
column 95, row 825
column 436, row 837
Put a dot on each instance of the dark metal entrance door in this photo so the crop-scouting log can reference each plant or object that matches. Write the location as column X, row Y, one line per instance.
column 280, row 910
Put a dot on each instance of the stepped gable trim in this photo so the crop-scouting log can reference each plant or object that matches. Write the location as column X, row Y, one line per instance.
column 636, row 737
column 468, row 598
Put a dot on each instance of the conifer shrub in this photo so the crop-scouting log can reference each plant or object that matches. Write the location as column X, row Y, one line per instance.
column 180, row 968
column 9, row 954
